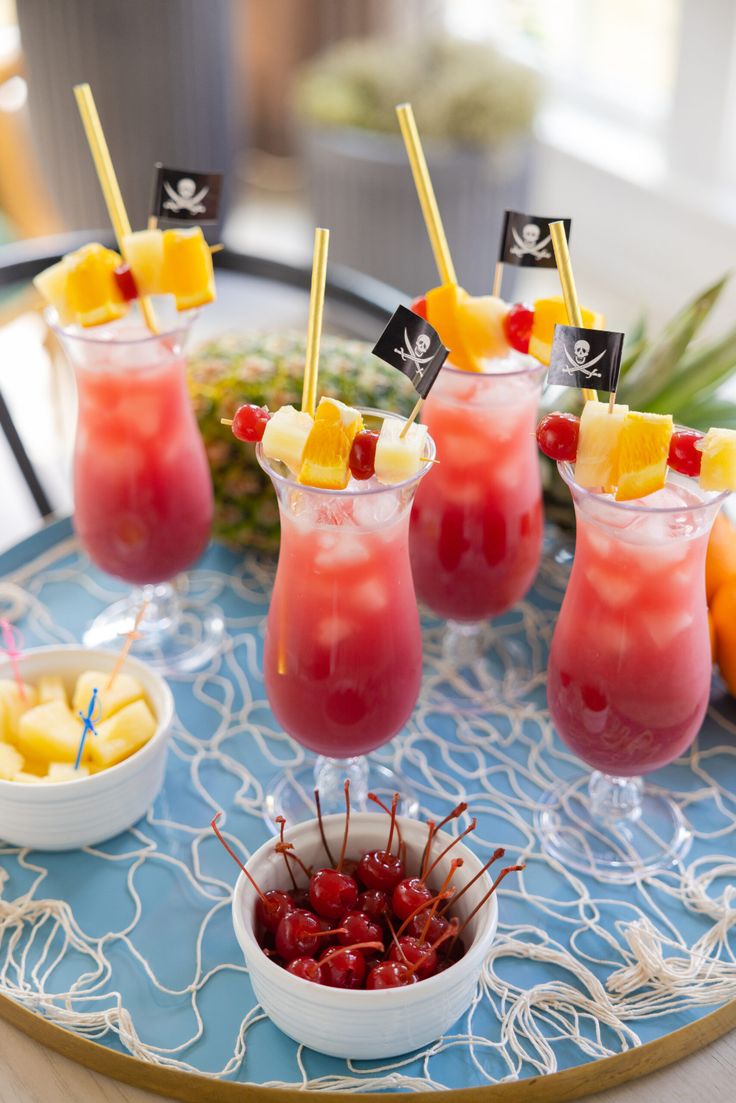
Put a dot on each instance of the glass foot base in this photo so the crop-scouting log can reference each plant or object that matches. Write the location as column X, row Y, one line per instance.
column 291, row 793
column 640, row 833
column 173, row 636
column 483, row 664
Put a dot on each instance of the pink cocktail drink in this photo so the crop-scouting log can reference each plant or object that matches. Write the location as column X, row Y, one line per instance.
column 142, row 488
column 143, row 502
column 629, row 673
column 630, row 666
column 476, row 531
column 343, row 647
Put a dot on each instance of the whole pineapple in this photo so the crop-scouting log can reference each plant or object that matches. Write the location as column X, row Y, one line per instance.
column 267, row 369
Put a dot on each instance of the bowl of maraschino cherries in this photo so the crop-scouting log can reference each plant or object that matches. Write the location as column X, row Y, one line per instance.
column 365, row 934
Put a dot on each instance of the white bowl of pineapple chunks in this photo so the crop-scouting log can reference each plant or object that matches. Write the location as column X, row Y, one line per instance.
column 45, row 802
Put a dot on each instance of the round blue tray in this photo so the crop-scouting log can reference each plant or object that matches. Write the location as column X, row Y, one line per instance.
column 128, row 949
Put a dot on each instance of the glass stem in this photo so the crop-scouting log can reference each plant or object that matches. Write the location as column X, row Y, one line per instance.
column 464, row 643
column 163, row 608
column 614, row 798
column 330, row 775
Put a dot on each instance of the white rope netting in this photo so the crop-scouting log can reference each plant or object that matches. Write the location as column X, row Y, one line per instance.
column 579, row 970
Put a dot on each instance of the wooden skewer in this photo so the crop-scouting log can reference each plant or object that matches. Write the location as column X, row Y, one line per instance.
column 130, row 638
column 497, row 277
column 108, row 181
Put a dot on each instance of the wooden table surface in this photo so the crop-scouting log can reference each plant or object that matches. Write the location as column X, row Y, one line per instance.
column 29, row 1073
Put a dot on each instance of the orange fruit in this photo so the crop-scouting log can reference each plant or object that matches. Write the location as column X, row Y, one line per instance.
column 720, row 562
column 326, row 456
column 549, row 313
column 481, row 318
column 643, row 449
column 442, row 313
column 723, row 611
column 712, row 633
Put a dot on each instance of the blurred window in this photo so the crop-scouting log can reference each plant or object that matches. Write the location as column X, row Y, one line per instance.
column 616, row 58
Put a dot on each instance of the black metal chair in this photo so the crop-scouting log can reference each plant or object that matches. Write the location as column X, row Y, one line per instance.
column 19, row 263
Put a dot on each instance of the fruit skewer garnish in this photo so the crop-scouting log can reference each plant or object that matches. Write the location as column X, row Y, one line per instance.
column 94, row 285
column 629, row 452
column 366, row 923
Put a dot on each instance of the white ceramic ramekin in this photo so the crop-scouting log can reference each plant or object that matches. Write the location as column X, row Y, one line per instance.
column 68, row 814
column 363, row 1024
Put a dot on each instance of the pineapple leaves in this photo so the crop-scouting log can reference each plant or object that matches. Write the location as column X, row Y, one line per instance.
column 653, row 373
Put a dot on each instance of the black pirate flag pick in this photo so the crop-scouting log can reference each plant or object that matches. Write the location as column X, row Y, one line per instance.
column 183, row 196
column 412, row 346
column 526, row 241
column 585, row 358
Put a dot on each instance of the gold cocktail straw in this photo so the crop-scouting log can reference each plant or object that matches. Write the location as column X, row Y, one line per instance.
column 425, row 191
column 108, row 180
column 567, row 280
column 130, row 638
column 430, row 210
column 314, row 329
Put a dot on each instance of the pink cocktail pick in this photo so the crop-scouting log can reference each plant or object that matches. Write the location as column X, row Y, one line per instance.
column 13, row 648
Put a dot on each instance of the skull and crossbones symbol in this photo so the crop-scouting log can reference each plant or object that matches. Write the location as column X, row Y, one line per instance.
column 579, row 360
column 186, row 197
column 416, row 354
column 529, row 245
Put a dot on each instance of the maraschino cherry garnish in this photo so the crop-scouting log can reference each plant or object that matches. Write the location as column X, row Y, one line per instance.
column 306, row 968
column 272, row 906
column 380, row 869
column 344, row 966
column 685, row 456
column 518, row 326
column 363, row 455
column 390, row 974
column 557, row 436
column 249, row 422
column 374, row 903
column 332, row 893
column 298, row 934
column 358, row 927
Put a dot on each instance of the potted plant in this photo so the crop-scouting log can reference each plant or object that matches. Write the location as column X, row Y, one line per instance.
column 474, row 109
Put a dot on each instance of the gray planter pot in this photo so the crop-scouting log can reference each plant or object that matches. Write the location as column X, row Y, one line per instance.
column 361, row 187
column 161, row 74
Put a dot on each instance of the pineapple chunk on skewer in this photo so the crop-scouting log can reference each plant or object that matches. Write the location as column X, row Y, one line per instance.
column 64, row 771
column 125, row 732
column 286, row 435
column 397, row 457
column 122, row 692
column 596, row 464
column 718, row 467
column 50, row 732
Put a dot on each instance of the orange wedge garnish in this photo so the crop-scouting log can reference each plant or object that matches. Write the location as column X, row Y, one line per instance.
column 442, row 313
column 644, row 446
column 549, row 313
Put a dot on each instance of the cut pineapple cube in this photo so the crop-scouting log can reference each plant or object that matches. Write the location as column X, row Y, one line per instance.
column 51, row 283
column 51, row 688
column 92, row 291
column 51, row 732
column 11, row 762
column 123, row 690
column 121, row 735
column 26, row 778
column 286, row 435
column 718, row 469
column 397, row 457
column 64, row 771
column 325, row 461
column 144, row 252
column 599, row 440
column 187, row 272
column 643, row 450
column 12, row 707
